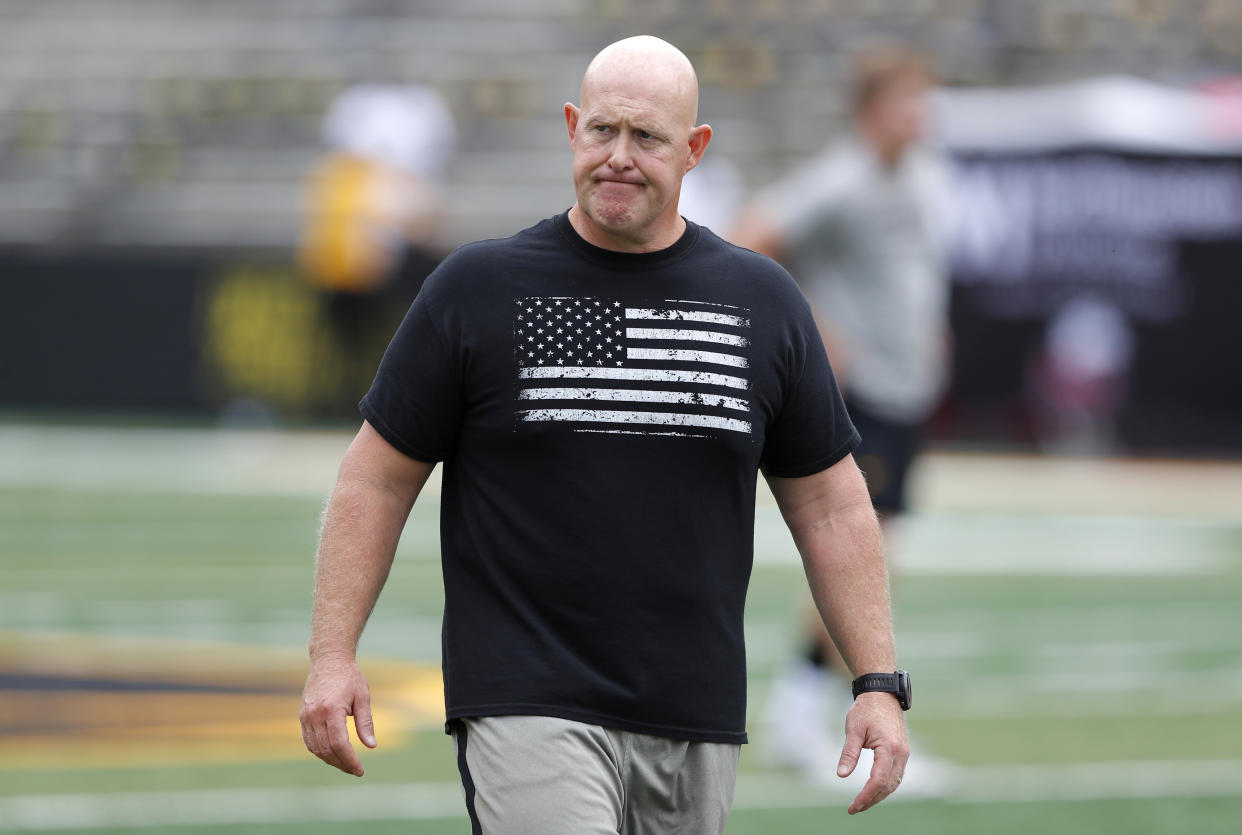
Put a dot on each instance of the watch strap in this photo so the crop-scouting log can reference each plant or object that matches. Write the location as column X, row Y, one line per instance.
column 875, row 682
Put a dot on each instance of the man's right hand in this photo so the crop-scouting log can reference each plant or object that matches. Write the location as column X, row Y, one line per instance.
column 335, row 689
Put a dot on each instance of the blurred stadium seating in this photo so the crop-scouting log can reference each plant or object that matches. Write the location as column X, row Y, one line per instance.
column 180, row 123
column 157, row 153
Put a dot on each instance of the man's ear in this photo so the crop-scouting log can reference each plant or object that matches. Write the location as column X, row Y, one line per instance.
column 699, row 137
column 571, row 120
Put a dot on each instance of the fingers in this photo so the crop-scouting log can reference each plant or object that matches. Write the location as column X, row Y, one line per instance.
column 886, row 774
column 363, row 723
column 849, row 755
column 343, row 756
column 326, row 734
column 330, row 697
column 878, row 724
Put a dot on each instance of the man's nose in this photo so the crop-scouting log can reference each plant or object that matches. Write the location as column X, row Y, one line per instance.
column 622, row 156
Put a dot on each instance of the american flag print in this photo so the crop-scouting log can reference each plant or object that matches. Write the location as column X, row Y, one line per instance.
column 668, row 368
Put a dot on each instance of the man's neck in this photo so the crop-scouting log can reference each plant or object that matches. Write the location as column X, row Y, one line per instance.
column 595, row 235
column 888, row 153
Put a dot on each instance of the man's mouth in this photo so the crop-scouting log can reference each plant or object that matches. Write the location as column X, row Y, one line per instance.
column 610, row 182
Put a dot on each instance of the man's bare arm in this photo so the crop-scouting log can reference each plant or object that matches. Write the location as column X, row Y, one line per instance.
column 836, row 531
column 375, row 490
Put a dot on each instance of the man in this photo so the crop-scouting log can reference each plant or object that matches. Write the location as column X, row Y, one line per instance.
column 602, row 389
column 862, row 227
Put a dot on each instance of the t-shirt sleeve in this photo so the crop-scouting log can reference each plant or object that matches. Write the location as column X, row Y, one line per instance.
column 812, row 431
column 415, row 400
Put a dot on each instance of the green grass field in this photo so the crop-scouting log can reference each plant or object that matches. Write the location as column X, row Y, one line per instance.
column 1074, row 629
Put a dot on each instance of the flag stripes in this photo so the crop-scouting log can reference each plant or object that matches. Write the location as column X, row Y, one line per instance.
column 685, row 356
column 688, row 316
column 647, row 364
column 635, row 396
column 701, row 336
column 661, row 418
column 653, row 375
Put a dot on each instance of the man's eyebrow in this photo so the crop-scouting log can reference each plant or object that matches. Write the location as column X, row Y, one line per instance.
column 596, row 119
column 650, row 127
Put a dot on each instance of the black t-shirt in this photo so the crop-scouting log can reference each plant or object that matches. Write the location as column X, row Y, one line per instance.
column 602, row 417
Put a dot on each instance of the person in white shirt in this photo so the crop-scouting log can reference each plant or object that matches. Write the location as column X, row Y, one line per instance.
column 862, row 227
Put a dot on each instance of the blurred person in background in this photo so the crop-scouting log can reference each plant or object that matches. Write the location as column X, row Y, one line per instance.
column 373, row 203
column 712, row 194
column 603, row 388
column 862, row 227
column 1077, row 382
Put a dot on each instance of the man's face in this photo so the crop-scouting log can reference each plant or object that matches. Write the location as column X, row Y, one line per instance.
column 632, row 143
column 897, row 114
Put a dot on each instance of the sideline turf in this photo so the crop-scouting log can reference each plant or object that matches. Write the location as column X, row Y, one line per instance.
column 1008, row 666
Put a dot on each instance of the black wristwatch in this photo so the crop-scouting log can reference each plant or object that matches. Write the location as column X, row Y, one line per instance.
column 897, row 683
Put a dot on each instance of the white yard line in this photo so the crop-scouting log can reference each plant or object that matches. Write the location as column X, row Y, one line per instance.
column 1101, row 781
column 143, row 459
column 755, row 792
column 292, row 462
column 1046, row 544
column 1022, row 783
column 999, row 483
column 220, row 807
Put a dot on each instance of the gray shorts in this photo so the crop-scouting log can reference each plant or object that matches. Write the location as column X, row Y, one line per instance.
column 547, row 776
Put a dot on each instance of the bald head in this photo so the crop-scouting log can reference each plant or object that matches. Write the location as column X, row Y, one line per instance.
column 650, row 67
column 634, row 138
